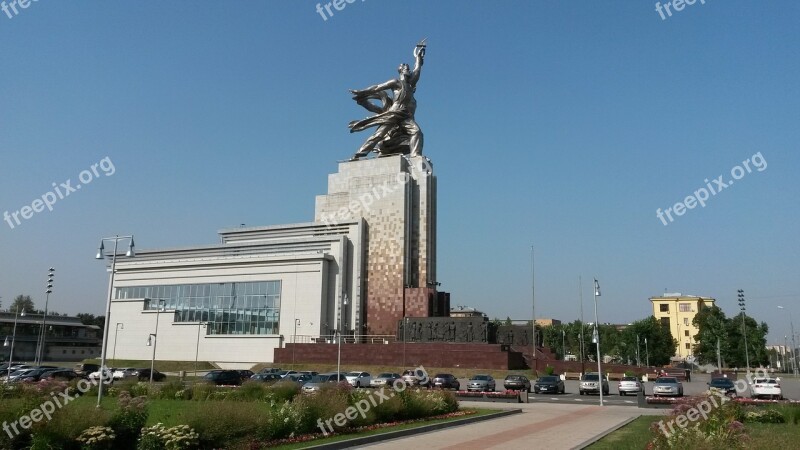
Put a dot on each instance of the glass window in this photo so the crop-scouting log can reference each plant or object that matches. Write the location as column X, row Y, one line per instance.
column 685, row 307
column 664, row 307
column 686, row 332
column 686, row 321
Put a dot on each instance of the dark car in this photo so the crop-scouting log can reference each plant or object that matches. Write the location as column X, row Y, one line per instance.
column 517, row 383
column 144, row 375
column 60, row 375
column 723, row 384
column 550, row 383
column 245, row 374
column 446, row 381
column 270, row 370
column 223, row 377
column 299, row 378
column 416, row 377
column 269, row 378
column 85, row 369
column 34, row 375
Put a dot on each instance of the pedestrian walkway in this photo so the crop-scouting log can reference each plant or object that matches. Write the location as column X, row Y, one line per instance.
column 545, row 426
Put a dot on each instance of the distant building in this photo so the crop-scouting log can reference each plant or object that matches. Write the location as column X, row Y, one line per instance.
column 67, row 338
column 676, row 311
column 465, row 311
column 547, row 322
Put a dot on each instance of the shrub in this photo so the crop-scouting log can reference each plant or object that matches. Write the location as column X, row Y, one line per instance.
column 67, row 424
column 284, row 391
column 549, row 370
column 332, row 399
column 250, row 391
column 720, row 428
column 202, row 391
column 219, row 423
column 764, row 416
column 96, row 438
column 158, row 437
column 128, row 420
column 167, row 390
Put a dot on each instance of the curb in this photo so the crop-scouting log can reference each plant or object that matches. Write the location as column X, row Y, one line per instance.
column 599, row 436
column 350, row 443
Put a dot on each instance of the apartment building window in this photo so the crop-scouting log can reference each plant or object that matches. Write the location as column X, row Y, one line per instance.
column 665, row 322
column 686, row 333
column 687, row 346
column 664, row 307
column 685, row 307
column 686, row 321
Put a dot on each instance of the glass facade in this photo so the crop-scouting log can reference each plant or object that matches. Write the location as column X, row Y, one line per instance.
column 229, row 308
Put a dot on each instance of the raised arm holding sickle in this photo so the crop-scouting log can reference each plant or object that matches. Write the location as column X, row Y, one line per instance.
column 397, row 131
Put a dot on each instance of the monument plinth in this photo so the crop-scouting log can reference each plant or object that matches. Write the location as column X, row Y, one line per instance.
column 396, row 198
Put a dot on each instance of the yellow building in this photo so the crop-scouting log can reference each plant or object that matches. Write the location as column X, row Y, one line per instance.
column 677, row 311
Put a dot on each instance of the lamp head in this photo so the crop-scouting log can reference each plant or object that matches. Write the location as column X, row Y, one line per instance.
column 100, row 251
column 130, row 253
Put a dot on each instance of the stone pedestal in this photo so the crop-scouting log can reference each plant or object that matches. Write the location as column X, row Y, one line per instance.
column 396, row 198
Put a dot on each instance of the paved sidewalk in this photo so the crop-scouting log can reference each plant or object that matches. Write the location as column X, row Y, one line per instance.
column 545, row 426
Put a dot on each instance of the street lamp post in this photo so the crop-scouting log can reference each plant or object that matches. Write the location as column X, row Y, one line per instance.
column 101, row 255
column 533, row 309
column 197, row 346
column 597, row 339
column 341, row 328
column 43, row 335
column 294, row 338
column 152, row 340
column 794, row 357
column 563, row 345
column 638, row 360
column 405, row 329
column 161, row 305
column 120, row 326
column 740, row 295
column 13, row 340
column 647, row 353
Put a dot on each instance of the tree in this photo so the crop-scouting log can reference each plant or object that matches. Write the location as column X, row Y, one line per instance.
column 23, row 302
column 756, row 342
column 712, row 326
column 91, row 319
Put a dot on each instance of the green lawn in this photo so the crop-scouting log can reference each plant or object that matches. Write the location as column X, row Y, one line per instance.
column 763, row 436
column 161, row 366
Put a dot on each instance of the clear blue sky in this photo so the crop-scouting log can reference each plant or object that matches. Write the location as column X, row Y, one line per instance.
column 565, row 125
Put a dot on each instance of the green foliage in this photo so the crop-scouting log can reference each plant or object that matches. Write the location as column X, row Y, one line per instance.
column 720, row 428
column 220, row 423
column 97, row 438
column 158, row 437
column 66, row 425
column 767, row 415
column 714, row 326
column 203, row 391
column 549, row 370
column 128, row 420
column 167, row 390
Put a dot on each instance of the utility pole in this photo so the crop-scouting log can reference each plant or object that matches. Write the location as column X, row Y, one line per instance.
column 533, row 309
column 583, row 350
column 740, row 295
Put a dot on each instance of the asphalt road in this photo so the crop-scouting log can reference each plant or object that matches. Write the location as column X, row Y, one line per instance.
column 698, row 385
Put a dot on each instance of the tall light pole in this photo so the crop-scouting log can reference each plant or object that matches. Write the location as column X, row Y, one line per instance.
column 294, row 338
column 563, row 344
column 120, row 326
column 197, row 346
column 43, row 335
column 583, row 348
column 13, row 340
column 533, row 309
column 341, row 328
column 101, row 255
column 161, row 305
column 785, row 360
column 152, row 340
column 740, row 296
column 794, row 358
column 638, row 360
column 647, row 353
column 596, row 338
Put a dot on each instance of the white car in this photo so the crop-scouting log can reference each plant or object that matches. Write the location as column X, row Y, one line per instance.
column 122, row 374
column 766, row 387
column 108, row 374
column 358, row 379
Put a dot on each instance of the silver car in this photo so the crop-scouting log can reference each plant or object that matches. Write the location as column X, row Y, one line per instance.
column 590, row 383
column 481, row 383
column 667, row 386
column 629, row 385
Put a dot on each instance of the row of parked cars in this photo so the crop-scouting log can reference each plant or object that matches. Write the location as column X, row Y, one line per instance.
column 24, row 373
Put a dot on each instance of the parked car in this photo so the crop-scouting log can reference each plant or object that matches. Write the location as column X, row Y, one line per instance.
column 481, row 383
column 446, row 381
column 358, row 379
column 723, row 384
column 591, row 383
column 108, row 375
column 629, row 385
column 33, row 375
column 550, row 383
column 416, row 377
column 269, row 378
column 299, row 378
column 283, row 373
column 385, row 379
column 270, row 370
column 125, row 373
column 667, row 386
column 84, row 369
column 318, row 381
column 60, row 374
column 517, row 383
column 766, row 387
column 144, row 375
column 312, row 373
column 223, row 377
column 245, row 374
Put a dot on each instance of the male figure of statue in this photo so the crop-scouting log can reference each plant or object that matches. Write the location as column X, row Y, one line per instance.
column 395, row 118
